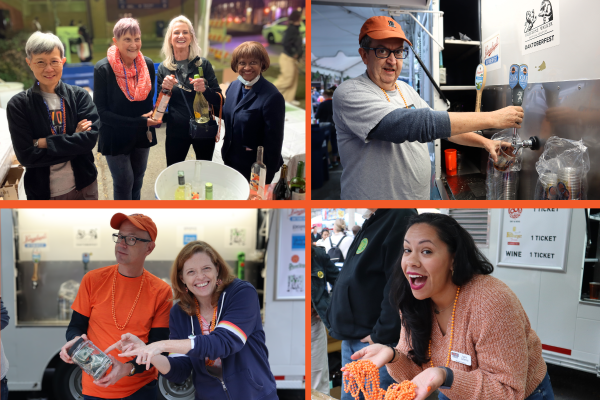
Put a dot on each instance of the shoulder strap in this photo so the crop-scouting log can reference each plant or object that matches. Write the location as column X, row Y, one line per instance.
column 220, row 113
column 186, row 103
column 343, row 237
column 330, row 242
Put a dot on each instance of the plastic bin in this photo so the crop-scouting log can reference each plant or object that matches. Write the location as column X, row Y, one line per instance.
column 228, row 184
column 79, row 74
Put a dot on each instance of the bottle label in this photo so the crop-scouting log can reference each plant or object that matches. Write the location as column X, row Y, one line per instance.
column 257, row 183
column 298, row 196
column 162, row 106
column 197, row 115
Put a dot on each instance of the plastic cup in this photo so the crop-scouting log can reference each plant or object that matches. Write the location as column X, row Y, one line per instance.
column 595, row 290
column 450, row 155
column 506, row 157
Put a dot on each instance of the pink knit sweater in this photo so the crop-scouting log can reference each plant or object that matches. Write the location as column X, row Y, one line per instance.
column 491, row 326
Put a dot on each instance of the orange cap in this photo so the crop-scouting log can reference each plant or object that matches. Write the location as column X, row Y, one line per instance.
column 140, row 221
column 379, row 28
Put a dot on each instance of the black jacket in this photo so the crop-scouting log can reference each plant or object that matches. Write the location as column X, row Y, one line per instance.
column 292, row 41
column 313, row 238
column 360, row 302
column 28, row 120
column 123, row 127
column 178, row 115
column 255, row 120
column 323, row 270
column 325, row 111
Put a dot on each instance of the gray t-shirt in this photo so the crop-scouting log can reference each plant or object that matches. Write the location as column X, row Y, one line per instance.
column 62, row 180
column 375, row 169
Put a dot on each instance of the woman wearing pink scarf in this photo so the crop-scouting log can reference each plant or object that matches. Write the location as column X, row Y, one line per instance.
column 124, row 89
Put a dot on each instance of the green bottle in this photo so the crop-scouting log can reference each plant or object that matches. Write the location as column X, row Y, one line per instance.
column 208, row 191
column 200, row 104
column 298, row 184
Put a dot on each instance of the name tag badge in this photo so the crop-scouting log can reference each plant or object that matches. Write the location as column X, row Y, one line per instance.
column 460, row 358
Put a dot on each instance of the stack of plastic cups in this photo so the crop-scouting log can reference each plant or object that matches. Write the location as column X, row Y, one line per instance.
column 509, row 186
column 571, row 178
column 549, row 181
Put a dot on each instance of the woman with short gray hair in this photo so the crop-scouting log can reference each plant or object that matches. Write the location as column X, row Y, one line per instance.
column 123, row 93
column 54, row 127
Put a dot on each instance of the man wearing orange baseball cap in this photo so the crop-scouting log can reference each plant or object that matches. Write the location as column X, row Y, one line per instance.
column 118, row 299
column 384, row 127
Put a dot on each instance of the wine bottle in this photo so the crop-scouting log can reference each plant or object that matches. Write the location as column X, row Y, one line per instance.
column 161, row 104
column 298, row 185
column 282, row 190
column 200, row 103
column 258, row 176
column 180, row 191
column 208, row 191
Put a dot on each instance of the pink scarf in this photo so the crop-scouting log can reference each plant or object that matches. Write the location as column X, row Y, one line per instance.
column 139, row 86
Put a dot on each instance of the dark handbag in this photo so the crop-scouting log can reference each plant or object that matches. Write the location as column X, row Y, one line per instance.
column 209, row 130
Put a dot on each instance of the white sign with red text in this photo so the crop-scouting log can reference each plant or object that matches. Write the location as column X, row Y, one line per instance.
column 491, row 52
column 534, row 238
column 34, row 241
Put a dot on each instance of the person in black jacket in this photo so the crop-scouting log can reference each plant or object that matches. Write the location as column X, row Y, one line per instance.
column 123, row 93
column 323, row 271
column 182, row 58
column 360, row 312
column 53, row 128
column 287, row 81
column 325, row 115
column 254, row 114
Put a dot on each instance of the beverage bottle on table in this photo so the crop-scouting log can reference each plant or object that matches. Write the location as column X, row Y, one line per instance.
column 258, row 174
column 208, row 191
column 282, row 190
column 162, row 101
column 200, row 104
column 298, row 185
column 180, row 191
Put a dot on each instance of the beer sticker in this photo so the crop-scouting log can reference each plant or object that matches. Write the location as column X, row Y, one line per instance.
column 540, row 28
column 479, row 77
column 362, row 246
column 523, row 76
column 513, row 75
column 491, row 52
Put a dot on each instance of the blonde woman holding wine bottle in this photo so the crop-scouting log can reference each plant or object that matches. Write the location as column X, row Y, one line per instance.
column 182, row 58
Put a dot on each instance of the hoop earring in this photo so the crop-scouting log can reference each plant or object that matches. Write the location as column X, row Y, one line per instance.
column 219, row 282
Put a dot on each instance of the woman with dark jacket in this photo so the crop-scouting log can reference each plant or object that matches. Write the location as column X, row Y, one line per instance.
column 254, row 114
column 323, row 271
column 53, row 128
column 216, row 331
column 182, row 59
column 123, row 93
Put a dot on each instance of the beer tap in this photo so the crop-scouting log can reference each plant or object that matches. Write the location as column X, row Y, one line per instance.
column 36, row 256
column 518, row 78
column 86, row 260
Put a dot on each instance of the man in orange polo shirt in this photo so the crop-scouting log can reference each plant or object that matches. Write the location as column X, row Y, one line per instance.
column 118, row 299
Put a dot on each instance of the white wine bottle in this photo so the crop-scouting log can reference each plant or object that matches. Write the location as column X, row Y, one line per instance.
column 180, row 191
column 200, row 104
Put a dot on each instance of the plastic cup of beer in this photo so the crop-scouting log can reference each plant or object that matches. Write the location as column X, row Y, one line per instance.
column 505, row 158
column 595, row 290
column 451, row 167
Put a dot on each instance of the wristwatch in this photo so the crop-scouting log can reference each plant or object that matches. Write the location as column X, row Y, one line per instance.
column 132, row 369
column 36, row 143
column 449, row 378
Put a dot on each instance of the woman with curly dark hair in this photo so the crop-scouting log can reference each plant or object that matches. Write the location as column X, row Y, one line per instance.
column 463, row 331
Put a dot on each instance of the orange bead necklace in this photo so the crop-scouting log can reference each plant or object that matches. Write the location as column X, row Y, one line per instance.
column 451, row 332
column 364, row 377
column 388, row 97
column 211, row 326
column 114, row 289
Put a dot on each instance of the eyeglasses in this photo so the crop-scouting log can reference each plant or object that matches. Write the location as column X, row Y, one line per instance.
column 42, row 65
column 382, row 52
column 252, row 63
column 129, row 240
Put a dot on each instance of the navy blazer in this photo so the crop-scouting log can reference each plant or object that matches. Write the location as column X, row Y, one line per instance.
column 252, row 121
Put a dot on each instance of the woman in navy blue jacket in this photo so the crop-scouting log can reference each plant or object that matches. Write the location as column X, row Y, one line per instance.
column 216, row 332
column 254, row 113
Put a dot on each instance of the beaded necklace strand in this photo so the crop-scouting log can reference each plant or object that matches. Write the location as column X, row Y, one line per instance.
column 364, row 377
column 210, row 328
column 388, row 97
column 125, row 73
column 114, row 314
column 451, row 332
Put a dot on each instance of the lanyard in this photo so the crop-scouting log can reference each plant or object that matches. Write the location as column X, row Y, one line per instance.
column 125, row 73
